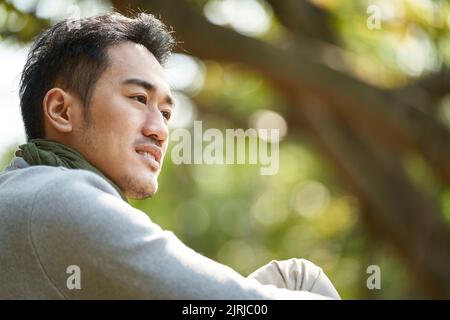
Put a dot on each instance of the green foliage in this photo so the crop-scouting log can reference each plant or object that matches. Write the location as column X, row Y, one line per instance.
column 19, row 25
column 412, row 40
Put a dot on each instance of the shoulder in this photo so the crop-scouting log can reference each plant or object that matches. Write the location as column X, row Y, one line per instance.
column 79, row 220
column 77, row 205
column 25, row 188
column 75, row 198
column 80, row 199
column 58, row 186
column 53, row 181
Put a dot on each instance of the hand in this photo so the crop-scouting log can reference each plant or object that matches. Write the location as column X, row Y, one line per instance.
column 296, row 274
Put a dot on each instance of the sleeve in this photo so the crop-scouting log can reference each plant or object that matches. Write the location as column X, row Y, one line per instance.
column 296, row 274
column 93, row 245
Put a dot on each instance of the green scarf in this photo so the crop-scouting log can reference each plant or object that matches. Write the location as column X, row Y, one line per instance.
column 51, row 153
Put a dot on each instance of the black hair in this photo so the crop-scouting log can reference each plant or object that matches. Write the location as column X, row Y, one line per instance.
column 73, row 55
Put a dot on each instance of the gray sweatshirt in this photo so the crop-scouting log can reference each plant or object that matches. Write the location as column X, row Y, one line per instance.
column 67, row 234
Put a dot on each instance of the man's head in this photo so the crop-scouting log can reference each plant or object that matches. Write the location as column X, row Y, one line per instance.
column 97, row 85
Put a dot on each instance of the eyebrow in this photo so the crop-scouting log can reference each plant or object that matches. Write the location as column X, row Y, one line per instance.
column 148, row 87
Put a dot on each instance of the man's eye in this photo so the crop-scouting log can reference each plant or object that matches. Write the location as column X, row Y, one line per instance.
column 166, row 114
column 141, row 99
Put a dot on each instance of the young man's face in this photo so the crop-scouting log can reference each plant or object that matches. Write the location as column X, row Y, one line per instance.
column 126, row 136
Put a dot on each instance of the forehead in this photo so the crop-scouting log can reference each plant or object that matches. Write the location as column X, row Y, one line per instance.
column 132, row 60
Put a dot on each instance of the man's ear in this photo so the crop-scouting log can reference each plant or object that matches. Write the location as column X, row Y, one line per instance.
column 58, row 110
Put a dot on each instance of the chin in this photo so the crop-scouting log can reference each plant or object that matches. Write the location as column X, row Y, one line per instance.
column 142, row 193
column 139, row 188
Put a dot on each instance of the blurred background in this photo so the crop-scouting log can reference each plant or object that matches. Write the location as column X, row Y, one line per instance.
column 360, row 91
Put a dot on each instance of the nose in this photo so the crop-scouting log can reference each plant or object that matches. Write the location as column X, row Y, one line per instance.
column 155, row 127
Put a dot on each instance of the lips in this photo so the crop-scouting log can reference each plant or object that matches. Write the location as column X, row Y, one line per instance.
column 151, row 153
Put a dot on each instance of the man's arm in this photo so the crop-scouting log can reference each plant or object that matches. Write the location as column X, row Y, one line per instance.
column 79, row 220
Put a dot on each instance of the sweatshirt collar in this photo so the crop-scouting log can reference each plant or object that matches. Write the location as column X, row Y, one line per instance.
column 17, row 163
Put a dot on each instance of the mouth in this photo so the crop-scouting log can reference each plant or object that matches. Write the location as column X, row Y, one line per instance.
column 151, row 154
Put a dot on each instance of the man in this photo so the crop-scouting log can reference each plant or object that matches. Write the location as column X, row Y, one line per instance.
column 96, row 105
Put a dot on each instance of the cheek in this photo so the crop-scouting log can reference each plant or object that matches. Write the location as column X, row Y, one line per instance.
column 117, row 126
column 120, row 125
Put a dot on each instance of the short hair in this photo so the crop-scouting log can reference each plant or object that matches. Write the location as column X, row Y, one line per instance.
column 73, row 55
